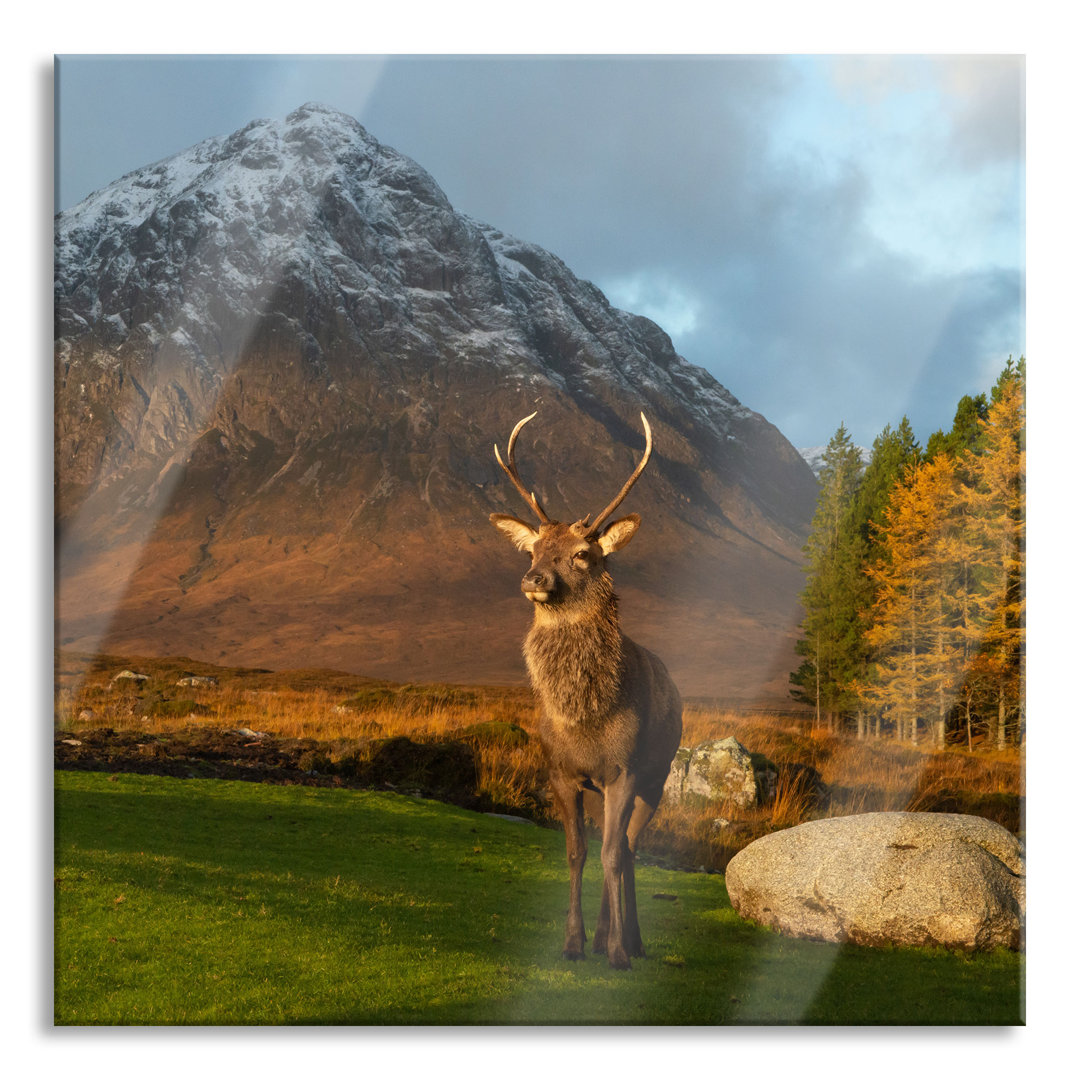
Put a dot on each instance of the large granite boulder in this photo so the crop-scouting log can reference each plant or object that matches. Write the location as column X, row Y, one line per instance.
column 717, row 771
column 887, row 878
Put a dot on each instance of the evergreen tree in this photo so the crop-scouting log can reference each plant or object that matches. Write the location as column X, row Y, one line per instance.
column 966, row 431
column 892, row 452
column 830, row 634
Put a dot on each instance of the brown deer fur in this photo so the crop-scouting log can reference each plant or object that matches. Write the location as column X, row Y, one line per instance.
column 610, row 716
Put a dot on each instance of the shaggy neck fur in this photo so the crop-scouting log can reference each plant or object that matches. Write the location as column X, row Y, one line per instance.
column 575, row 657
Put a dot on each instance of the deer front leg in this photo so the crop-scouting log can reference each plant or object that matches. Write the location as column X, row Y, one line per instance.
column 641, row 817
column 569, row 801
column 631, row 931
column 618, row 806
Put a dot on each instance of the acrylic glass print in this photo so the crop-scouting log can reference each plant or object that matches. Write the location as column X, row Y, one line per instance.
column 723, row 723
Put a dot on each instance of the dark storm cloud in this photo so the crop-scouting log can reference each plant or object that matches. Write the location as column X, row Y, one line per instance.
column 609, row 158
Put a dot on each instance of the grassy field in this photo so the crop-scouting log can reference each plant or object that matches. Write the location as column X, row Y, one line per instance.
column 215, row 902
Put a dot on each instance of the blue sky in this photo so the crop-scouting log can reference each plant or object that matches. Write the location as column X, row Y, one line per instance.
column 837, row 239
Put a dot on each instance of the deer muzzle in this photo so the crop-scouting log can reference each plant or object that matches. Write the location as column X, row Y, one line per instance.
column 538, row 586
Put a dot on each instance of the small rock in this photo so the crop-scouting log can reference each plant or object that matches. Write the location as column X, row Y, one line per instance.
column 720, row 770
column 86, row 714
column 72, row 742
column 197, row 680
column 134, row 675
column 249, row 734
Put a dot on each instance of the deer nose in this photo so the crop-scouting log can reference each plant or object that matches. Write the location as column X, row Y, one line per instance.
column 535, row 580
column 538, row 584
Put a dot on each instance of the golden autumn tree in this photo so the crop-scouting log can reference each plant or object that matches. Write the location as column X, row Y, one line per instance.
column 997, row 497
column 914, row 674
column 946, row 628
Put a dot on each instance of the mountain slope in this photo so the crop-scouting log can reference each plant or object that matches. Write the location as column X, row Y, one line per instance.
column 281, row 361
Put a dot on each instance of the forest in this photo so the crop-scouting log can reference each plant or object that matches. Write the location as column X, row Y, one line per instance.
column 914, row 601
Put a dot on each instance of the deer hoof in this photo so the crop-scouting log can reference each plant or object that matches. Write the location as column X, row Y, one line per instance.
column 619, row 960
column 573, row 954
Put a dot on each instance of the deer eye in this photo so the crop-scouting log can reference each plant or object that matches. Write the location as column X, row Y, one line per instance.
column 581, row 556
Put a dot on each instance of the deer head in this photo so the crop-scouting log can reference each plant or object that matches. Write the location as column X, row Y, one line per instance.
column 567, row 560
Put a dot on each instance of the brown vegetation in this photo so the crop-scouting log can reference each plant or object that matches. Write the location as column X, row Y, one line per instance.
column 340, row 721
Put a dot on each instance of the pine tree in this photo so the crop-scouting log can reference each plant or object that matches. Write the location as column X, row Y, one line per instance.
column 830, row 634
column 892, row 452
column 971, row 413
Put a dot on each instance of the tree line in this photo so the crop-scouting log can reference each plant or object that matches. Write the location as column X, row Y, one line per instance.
column 914, row 602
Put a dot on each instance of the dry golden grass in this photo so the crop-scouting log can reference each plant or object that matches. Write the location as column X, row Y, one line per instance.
column 819, row 773
column 852, row 777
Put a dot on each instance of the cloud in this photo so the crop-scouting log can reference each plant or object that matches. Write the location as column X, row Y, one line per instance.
column 972, row 106
column 987, row 96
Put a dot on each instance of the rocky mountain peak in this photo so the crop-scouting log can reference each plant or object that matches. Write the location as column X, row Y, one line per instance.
column 281, row 360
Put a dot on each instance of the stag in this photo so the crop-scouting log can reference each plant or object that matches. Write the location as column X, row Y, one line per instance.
column 610, row 715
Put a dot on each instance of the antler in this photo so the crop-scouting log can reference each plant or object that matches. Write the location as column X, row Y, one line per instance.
column 511, row 470
column 610, row 509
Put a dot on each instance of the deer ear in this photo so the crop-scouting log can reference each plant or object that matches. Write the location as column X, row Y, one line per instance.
column 522, row 536
column 618, row 534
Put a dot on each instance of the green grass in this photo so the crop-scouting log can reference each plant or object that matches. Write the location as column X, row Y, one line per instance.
column 214, row 902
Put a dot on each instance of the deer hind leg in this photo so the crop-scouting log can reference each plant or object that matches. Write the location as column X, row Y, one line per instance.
column 599, row 941
column 568, row 799
column 597, row 807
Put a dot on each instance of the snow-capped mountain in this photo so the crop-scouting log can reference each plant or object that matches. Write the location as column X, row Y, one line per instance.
column 281, row 361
